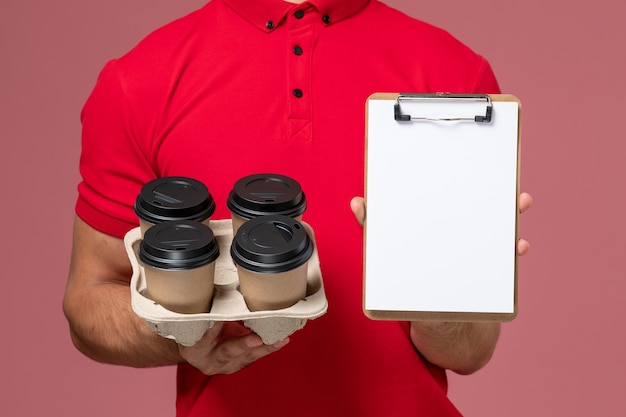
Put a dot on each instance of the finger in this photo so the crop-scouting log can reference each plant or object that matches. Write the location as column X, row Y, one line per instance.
column 522, row 247
column 235, row 354
column 198, row 354
column 525, row 201
column 211, row 337
column 357, row 204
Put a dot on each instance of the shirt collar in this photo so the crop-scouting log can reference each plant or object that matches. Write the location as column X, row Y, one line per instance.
column 260, row 12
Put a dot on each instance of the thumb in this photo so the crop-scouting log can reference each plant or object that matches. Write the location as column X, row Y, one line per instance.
column 357, row 204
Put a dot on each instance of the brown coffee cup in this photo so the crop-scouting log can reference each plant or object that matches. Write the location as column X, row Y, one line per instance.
column 265, row 195
column 179, row 265
column 173, row 198
column 271, row 254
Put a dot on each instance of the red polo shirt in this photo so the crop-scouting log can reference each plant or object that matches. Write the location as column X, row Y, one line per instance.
column 241, row 87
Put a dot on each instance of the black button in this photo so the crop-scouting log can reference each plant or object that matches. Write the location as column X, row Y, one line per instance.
column 269, row 24
column 299, row 14
column 297, row 50
column 326, row 19
column 297, row 92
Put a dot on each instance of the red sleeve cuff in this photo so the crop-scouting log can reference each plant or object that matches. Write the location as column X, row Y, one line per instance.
column 102, row 221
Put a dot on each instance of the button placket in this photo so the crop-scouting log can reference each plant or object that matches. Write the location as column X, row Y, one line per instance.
column 301, row 26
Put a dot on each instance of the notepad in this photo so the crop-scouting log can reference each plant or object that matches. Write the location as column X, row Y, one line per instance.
column 442, row 187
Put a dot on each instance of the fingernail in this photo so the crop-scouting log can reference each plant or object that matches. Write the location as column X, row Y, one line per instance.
column 253, row 341
column 281, row 343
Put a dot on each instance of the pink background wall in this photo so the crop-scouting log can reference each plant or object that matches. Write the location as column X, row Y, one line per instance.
column 563, row 355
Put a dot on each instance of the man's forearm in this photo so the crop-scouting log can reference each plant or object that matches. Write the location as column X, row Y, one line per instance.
column 461, row 347
column 104, row 328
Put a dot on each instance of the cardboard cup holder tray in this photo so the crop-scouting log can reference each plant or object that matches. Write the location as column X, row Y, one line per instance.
column 228, row 303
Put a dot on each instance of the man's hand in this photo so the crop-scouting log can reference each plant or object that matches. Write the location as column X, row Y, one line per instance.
column 104, row 327
column 462, row 347
column 525, row 201
column 226, row 348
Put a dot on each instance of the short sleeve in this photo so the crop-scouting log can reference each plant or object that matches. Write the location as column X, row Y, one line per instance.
column 113, row 163
column 485, row 82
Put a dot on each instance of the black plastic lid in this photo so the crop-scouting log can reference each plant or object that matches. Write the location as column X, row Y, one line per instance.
column 266, row 194
column 271, row 244
column 174, row 198
column 181, row 244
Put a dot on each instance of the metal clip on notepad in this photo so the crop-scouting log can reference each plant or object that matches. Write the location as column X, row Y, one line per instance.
column 447, row 97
